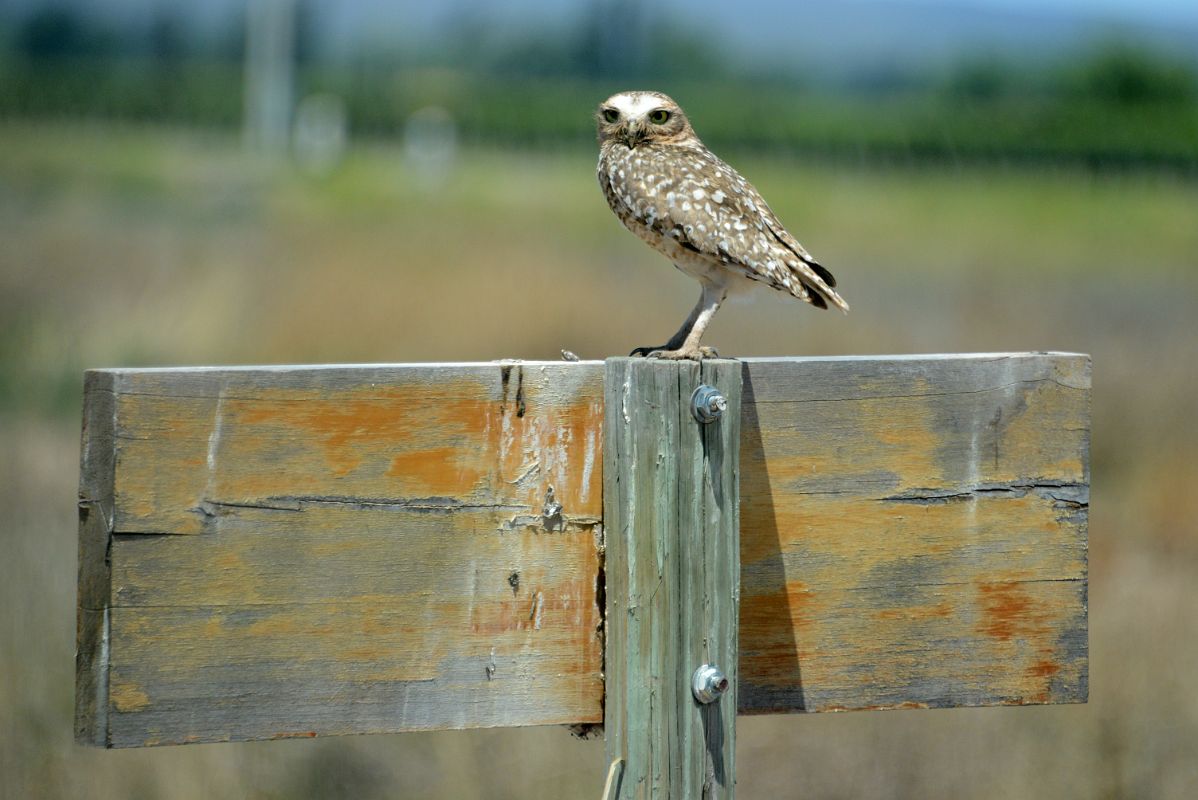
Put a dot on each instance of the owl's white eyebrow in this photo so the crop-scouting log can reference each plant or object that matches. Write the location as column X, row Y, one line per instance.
column 635, row 105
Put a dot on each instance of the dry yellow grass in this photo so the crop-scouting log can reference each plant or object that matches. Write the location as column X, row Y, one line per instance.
column 132, row 247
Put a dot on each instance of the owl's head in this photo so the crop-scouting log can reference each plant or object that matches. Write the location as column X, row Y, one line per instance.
column 636, row 118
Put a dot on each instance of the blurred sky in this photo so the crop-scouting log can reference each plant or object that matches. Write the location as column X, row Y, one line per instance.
column 1178, row 10
column 1182, row 10
column 359, row 15
column 815, row 40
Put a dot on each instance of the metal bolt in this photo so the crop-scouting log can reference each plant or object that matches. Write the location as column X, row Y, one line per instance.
column 551, row 513
column 708, row 683
column 707, row 404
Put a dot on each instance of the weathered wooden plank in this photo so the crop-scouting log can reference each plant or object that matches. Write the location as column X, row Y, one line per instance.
column 670, row 494
column 191, row 443
column 366, row 549
column 913, row 532
column 96, row 464
column 270, row 626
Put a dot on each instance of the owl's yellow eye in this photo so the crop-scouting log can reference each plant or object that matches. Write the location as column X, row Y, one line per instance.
column 659, row 116
column 610, row 114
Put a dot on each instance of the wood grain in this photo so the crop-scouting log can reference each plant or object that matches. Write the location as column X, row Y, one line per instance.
column 709, row 570
column 297, row 551
column 913, row 532
column 313, row 551
column 670, row 511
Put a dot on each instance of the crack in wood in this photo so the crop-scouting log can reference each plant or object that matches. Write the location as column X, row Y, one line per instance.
column 297, row 503
column 1074, row 494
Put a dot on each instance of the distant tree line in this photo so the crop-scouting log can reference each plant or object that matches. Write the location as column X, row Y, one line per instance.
column 1112, row 105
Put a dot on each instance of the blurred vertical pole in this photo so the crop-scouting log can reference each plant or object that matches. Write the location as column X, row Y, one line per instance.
column 629, row 36
column 617, row 35
column 269, row 74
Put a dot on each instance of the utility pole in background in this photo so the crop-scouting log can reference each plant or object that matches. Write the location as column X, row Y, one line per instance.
column 269, row 74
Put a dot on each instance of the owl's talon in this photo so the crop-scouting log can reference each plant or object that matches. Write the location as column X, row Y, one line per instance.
column 646, row 352
column 681, row 354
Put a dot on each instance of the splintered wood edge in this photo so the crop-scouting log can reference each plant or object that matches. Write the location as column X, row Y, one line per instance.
column 96, row 511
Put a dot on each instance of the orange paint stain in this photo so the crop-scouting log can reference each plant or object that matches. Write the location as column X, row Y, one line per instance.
column 453, row 439
column 294, row 735
column 351, row 429
column 127, row 697
column 438, row 471
column 1043, row 669
column 1006, row 611
column 938, row 611
column 785, row 609
column 776, row 624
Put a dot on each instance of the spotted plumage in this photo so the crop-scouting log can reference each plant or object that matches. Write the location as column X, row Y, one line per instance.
column 676, row 195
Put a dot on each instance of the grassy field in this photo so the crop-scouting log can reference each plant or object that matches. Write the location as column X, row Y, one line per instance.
column 135, row 246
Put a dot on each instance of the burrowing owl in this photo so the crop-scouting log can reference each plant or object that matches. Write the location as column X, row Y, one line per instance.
column 672, row 192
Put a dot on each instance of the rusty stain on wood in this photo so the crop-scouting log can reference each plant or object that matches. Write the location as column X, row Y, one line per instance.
column 455, row 439
column 266, row 551
column 349, row 538
column 914, row 531
column 294, row 735
column 126, row 697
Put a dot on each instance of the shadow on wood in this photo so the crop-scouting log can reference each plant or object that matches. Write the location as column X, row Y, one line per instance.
column 773, row 647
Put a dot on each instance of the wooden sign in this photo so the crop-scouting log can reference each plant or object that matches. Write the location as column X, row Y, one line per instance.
column 301, row 551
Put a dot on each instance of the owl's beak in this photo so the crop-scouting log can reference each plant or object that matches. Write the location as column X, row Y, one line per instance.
column 634, row 134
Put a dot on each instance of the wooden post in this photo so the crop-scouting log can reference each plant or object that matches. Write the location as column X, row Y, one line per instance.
column 671, row 500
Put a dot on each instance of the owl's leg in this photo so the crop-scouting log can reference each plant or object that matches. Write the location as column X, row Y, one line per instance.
column 685, row 343
column 678, row 338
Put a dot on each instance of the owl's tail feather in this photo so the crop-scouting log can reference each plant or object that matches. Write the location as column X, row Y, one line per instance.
column 818, row 283
column 821, row 271
column 814, row 297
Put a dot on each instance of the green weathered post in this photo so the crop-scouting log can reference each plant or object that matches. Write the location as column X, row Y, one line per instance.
column 671, row 499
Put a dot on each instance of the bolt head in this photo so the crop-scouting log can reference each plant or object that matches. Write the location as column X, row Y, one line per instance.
column 708, row 404
column 708, row 684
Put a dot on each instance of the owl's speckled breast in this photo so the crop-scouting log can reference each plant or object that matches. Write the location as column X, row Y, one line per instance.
column 632, row 180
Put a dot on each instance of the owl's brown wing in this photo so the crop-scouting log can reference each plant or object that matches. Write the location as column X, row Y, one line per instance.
column 697, row 199
column 792, row 244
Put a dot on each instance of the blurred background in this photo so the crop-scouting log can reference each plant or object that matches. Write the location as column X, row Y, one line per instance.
column 318, row 181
